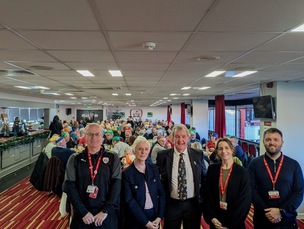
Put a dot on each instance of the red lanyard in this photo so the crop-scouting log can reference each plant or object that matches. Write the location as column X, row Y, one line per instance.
column 223, row 189
column 277, row 173
column 91, row 167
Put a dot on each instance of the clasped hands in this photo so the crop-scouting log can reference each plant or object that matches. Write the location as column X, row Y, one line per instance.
column 97, row 219
column 273, row 215
column 217, row 224
column 154, row 224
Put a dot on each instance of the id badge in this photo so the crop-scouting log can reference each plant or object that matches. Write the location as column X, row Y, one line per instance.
column 91, row 188
column 274, row 194
column 223, row 205
column 94, row 194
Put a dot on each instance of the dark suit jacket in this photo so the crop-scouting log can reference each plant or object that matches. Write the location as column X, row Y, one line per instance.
column 165, row 161
column 238, row 197
column 134, row 195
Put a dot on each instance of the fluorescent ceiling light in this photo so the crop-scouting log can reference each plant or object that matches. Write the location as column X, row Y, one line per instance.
column 185, row 88
column 246, row 73
column 203, row 88
column 173, row 94
column 115, row 73
column 73, row 97
column 298, row 29
column 165, row 98
column 39, row 87
column 128, row 94
column 85, row 73
column 214, row 73
column 23, row 87
column 115, row 94
column 186, row 94
column 69, row 94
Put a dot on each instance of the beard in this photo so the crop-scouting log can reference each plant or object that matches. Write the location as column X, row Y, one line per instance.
column 273, row 150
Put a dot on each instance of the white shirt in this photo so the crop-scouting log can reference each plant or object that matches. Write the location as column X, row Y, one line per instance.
column 189, row 175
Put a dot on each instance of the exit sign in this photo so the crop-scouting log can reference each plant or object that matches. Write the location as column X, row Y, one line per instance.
column 89, row 106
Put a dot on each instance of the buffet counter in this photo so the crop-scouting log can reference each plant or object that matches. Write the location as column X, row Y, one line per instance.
column 18, row 152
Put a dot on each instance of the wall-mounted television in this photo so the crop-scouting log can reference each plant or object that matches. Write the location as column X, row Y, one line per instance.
column 263, row 107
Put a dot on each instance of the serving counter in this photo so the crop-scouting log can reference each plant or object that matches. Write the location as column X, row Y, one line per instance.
column 18, row 152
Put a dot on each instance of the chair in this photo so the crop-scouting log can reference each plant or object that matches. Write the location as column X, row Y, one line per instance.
column 38, row 174
column 54, row 176
column 252, row 150
column 245, row 147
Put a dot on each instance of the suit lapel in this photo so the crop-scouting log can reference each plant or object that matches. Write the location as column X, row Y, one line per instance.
column 169, row 164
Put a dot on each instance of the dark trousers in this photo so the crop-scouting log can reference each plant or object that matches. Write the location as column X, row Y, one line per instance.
column 185, row 212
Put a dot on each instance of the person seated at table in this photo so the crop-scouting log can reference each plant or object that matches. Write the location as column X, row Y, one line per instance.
column 61, row 151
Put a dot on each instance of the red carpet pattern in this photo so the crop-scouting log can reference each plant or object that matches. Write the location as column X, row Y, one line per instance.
column 23, row 207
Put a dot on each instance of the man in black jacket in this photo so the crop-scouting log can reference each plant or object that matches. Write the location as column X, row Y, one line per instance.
column 181, row 171
column 92, row 184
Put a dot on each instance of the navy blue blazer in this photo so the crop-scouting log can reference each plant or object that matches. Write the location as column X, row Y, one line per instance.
column 134, row 194
column 165, row 161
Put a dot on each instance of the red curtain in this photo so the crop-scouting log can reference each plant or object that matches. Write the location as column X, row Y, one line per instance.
column 220, row 119
column 183, row 113
column 169, row 114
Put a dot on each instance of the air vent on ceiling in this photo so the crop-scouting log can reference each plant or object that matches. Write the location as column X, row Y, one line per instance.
column 16, row 72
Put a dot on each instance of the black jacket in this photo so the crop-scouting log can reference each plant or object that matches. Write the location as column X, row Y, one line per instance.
column 37, row 176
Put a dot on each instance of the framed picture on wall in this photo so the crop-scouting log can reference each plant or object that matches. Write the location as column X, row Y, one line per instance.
column 149, row 114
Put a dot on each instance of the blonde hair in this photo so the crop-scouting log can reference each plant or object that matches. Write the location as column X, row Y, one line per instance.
column 196, row 145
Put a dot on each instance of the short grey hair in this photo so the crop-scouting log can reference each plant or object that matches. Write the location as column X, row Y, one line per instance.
column 179, row 127
column 138, row 140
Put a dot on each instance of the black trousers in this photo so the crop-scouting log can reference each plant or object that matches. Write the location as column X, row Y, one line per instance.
column 185, row 212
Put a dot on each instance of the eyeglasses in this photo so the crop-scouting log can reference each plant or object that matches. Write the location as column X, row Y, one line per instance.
column 92, row 134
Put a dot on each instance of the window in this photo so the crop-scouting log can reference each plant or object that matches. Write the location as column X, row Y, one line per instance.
column 240, row 122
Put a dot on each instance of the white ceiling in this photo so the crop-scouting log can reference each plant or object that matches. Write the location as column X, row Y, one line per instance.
column 102, row 35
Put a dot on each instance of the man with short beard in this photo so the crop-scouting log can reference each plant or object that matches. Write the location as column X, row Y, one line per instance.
column 276, row 185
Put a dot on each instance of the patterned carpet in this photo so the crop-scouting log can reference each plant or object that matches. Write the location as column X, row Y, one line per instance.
column 23, row 207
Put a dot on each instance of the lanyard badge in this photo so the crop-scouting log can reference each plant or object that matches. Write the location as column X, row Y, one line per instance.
column 93, row 189
column 274, row 194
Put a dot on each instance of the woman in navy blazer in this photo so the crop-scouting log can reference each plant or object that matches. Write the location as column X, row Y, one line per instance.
column 142, row 191
column 228, row 194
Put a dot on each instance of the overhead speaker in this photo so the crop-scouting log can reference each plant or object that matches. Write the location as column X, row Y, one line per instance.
column 68, row 111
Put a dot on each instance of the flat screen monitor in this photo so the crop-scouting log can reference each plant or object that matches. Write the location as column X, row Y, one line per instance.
column 263, row 107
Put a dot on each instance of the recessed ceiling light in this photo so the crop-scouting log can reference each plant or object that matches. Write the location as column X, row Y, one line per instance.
column 85, row 73
column 173, row 94
column 128, row 94
column 298, row 29
column 39, row 87
column 115, row 94
column 22, row 87
column 69, row 94
column 73, row 97
column 185, row 88
column 203, row 88
column 115, row 73
column 186, row 94
column 165, row 98
column 214, row 73
column 246, row 73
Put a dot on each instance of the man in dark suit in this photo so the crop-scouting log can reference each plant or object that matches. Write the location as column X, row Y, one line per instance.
column 181, row 171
